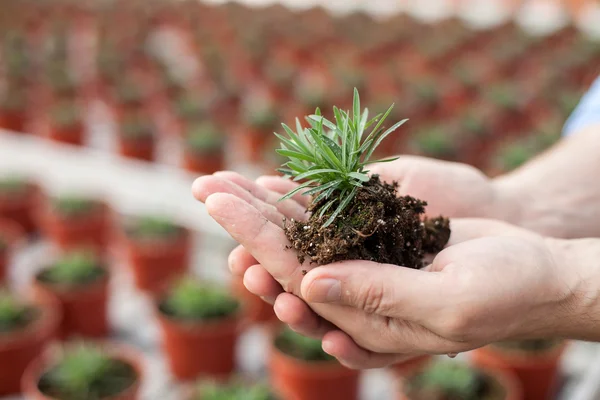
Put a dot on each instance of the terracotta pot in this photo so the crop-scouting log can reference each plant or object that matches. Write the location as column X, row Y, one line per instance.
column 156, row 262
column 141, row 149
column 506, row 379
column 203, row 163
column 256, row 310
column 83, row 231
column 12, row 120
column 302, row 380
column 38, row 367
column 199, row 349
column 20, row 208
column 18, row 349
column 84, row 307
column 71, row 135
column 11, row 234
column 538, row 373
column 249, row 144
column 411, row 366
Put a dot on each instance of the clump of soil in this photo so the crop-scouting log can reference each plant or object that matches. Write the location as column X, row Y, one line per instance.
column 377, row 226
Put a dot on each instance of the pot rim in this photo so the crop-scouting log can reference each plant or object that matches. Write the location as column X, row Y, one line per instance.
column 66, row 290
column 317, row 368
column 524, row 359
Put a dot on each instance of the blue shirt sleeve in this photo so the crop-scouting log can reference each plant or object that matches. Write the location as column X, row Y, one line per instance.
column 587, row 112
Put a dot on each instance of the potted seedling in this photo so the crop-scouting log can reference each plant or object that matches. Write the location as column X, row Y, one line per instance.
column 79, row 282
column 12, row 110
column 66, row 124
column 136, row 137
column 258, row 120
column 534, row 362
column 73, row 221
column 301, row 370
column 456, row 381
column 84, row 371
column 157, row 250
column 203, row 151
column 200, row 326
column 18, row 201
column 353, row 215
column 25, row 329
column 230, row 390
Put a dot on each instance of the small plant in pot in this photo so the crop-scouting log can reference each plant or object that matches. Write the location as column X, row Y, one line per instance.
column 73, row 221
column 66, row 123
column 200, row 325
column 259, row 117
column 157, row 250
column 88, row 371
column 18, row 201
column 354, row 216
column 204, row 148
column 456, row 381
column 231, row 390
column 25, row 329
column 12, row 110
column 536, row 363
column 136, row 137
column 79, row 282
column 301, row 370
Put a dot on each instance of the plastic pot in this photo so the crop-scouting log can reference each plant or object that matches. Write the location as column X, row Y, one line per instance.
column 84, row 307
column 156, row 262
column 195, row 349
column 71, row 135
column 537, row 372
column 141, row 149
column 203, row 162
column 39, row 366
column 18, row 349
column 303, row 380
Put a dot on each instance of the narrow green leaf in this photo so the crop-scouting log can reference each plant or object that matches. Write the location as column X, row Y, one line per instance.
column 326, row 122
column 295, row 154
column 375, row 130
column 379, row 161
column 326, row 207
column 343, row 204
column 297, row 139
column 356, row 105
column 296, row 166
column 315, row 172
column 359, row 176
column 296, row 190
column 325, row 186
column 381, row 138
column 291, row 145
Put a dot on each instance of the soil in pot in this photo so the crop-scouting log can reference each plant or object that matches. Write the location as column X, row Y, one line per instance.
column 456, row 381
column 200, row 326
column 354, row 216
column 204, row 149
column 231, row 390
column 25, row 329
column 534, row 362
column 73, row 221
column 66, row 124
column 157, row 251
column 84, row 371
column 136, row 137
column 18, row 202
column 80, row 285
column 301, row 370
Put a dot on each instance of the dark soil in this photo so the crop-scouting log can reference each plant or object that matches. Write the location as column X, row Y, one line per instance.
column 377, row 225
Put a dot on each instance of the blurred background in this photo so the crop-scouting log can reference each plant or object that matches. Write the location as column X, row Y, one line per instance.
column 124, row 102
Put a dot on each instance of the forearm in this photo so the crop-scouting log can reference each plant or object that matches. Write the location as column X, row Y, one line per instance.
column 578, row 312
column 558, row 193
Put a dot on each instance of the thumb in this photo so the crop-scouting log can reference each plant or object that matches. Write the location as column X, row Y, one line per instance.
column 382, row 289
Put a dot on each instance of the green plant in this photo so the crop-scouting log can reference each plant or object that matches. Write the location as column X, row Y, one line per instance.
column 449, row 381
column 73, row 206
column 66, row 114
column 301, row 347
column 77, row 267
column 191, row 299
column 333, row 157
column 86, row 372
column 13, row 313
column 435, row 142
column 12, row 185
column 232, row 391
column 190, row 107
column 204, row 137
column 136, row 127
column 153, row 227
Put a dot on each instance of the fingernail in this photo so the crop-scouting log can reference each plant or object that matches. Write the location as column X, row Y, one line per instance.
column 325, row 291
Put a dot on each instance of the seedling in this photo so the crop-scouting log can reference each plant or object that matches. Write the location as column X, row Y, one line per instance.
column 153, row 228
column 75, row 268
column 301, row 347
column 232, row 391
column 73, row 206
column 14, row 314
column 204, row 138
column 12, row 185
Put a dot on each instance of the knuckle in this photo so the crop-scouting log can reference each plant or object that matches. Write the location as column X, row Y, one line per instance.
column 371, row 299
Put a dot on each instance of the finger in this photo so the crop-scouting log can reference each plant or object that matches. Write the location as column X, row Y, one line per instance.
column 297, row 314
column 465, row 229
column 341, row 346
column 240, row 260
column 206, row 185
column 263, row 239
column 258, row 281
column 290, row 208
column 282, row 186
column 380, row 289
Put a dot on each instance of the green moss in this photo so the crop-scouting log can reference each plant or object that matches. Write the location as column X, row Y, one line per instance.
column 301, row 347
column 85, row 372
column 73, row 206
column 14, row 314
column 204, row 138
column 193, row 300
column 232, row 391
column 153, row 227
column 448, row 381
column 76, row 268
